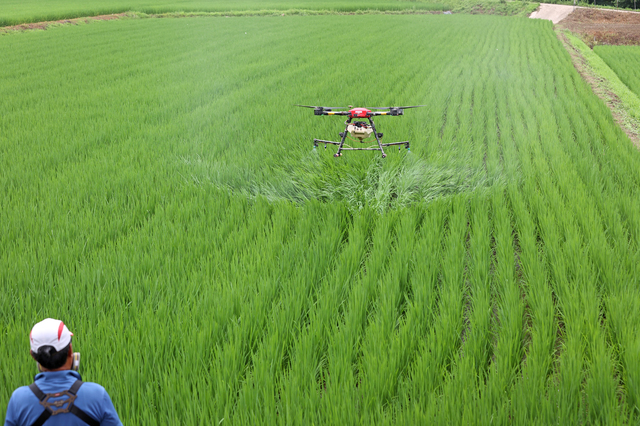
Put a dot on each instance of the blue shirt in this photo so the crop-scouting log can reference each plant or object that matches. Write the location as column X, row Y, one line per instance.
column 24, row 407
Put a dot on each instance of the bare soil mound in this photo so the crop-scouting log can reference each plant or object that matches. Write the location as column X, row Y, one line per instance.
column 597, row 26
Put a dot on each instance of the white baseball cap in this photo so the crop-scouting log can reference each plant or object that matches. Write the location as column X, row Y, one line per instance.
column 49, row 332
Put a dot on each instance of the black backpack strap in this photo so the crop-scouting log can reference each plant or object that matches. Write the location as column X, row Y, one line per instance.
column 84, row 416
column 72, row 408
column 78, row 412
column 76, row 385
column 43, row 418
column 37, row 392
column 41, row 396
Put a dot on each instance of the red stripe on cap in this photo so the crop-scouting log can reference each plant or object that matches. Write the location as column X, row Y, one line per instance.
column 60, row 328
column 30, row 335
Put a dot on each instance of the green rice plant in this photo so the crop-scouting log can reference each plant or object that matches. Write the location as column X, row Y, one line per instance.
column 466, row 382
column 509, row 314
column 297, row 293
column 344, row 348
column 527, row 404
column 623, row 60
column 385, row 354
column 438, row 349
column 303, row 383
column 422, row 306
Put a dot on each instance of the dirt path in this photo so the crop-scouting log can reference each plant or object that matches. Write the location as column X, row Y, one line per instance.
column 553, row 12
column 47, row 24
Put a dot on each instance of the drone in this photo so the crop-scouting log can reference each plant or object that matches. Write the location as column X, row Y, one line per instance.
column 360, row 130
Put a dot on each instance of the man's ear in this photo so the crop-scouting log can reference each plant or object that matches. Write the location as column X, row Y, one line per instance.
column 70, row 354
column 33, row 355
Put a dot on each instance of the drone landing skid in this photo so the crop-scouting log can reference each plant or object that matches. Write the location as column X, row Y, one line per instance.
column 341, row 146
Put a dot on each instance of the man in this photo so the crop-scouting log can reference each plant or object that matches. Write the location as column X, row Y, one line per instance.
column 58, row 396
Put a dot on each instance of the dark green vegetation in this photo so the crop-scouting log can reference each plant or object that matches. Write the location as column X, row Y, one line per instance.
column 160, row 195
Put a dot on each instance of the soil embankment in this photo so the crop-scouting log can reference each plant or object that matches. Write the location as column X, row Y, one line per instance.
column 594, row 26
column 47, row 24
column 602, row 26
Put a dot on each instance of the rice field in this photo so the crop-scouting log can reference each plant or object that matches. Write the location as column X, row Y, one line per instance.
column 160, row 195
column 15, row 12
column 625, row 61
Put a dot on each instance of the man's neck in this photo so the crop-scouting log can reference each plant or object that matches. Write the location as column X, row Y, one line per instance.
column 66, row 366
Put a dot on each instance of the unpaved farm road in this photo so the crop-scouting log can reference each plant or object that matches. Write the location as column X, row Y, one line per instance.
column 553, row 12
column 557, row 12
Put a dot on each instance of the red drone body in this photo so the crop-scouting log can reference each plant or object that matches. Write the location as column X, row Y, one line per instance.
column 360, row 113
column 359, row 129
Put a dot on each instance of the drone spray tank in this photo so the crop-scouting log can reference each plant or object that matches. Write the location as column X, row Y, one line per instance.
column 359, row 130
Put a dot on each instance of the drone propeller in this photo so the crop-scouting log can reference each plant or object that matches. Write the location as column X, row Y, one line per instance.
column 395, row 111
column 400, row 107
column 320, row 110
column 320, row 107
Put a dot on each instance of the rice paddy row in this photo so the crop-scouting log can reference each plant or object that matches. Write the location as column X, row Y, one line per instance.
column 624, row 60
